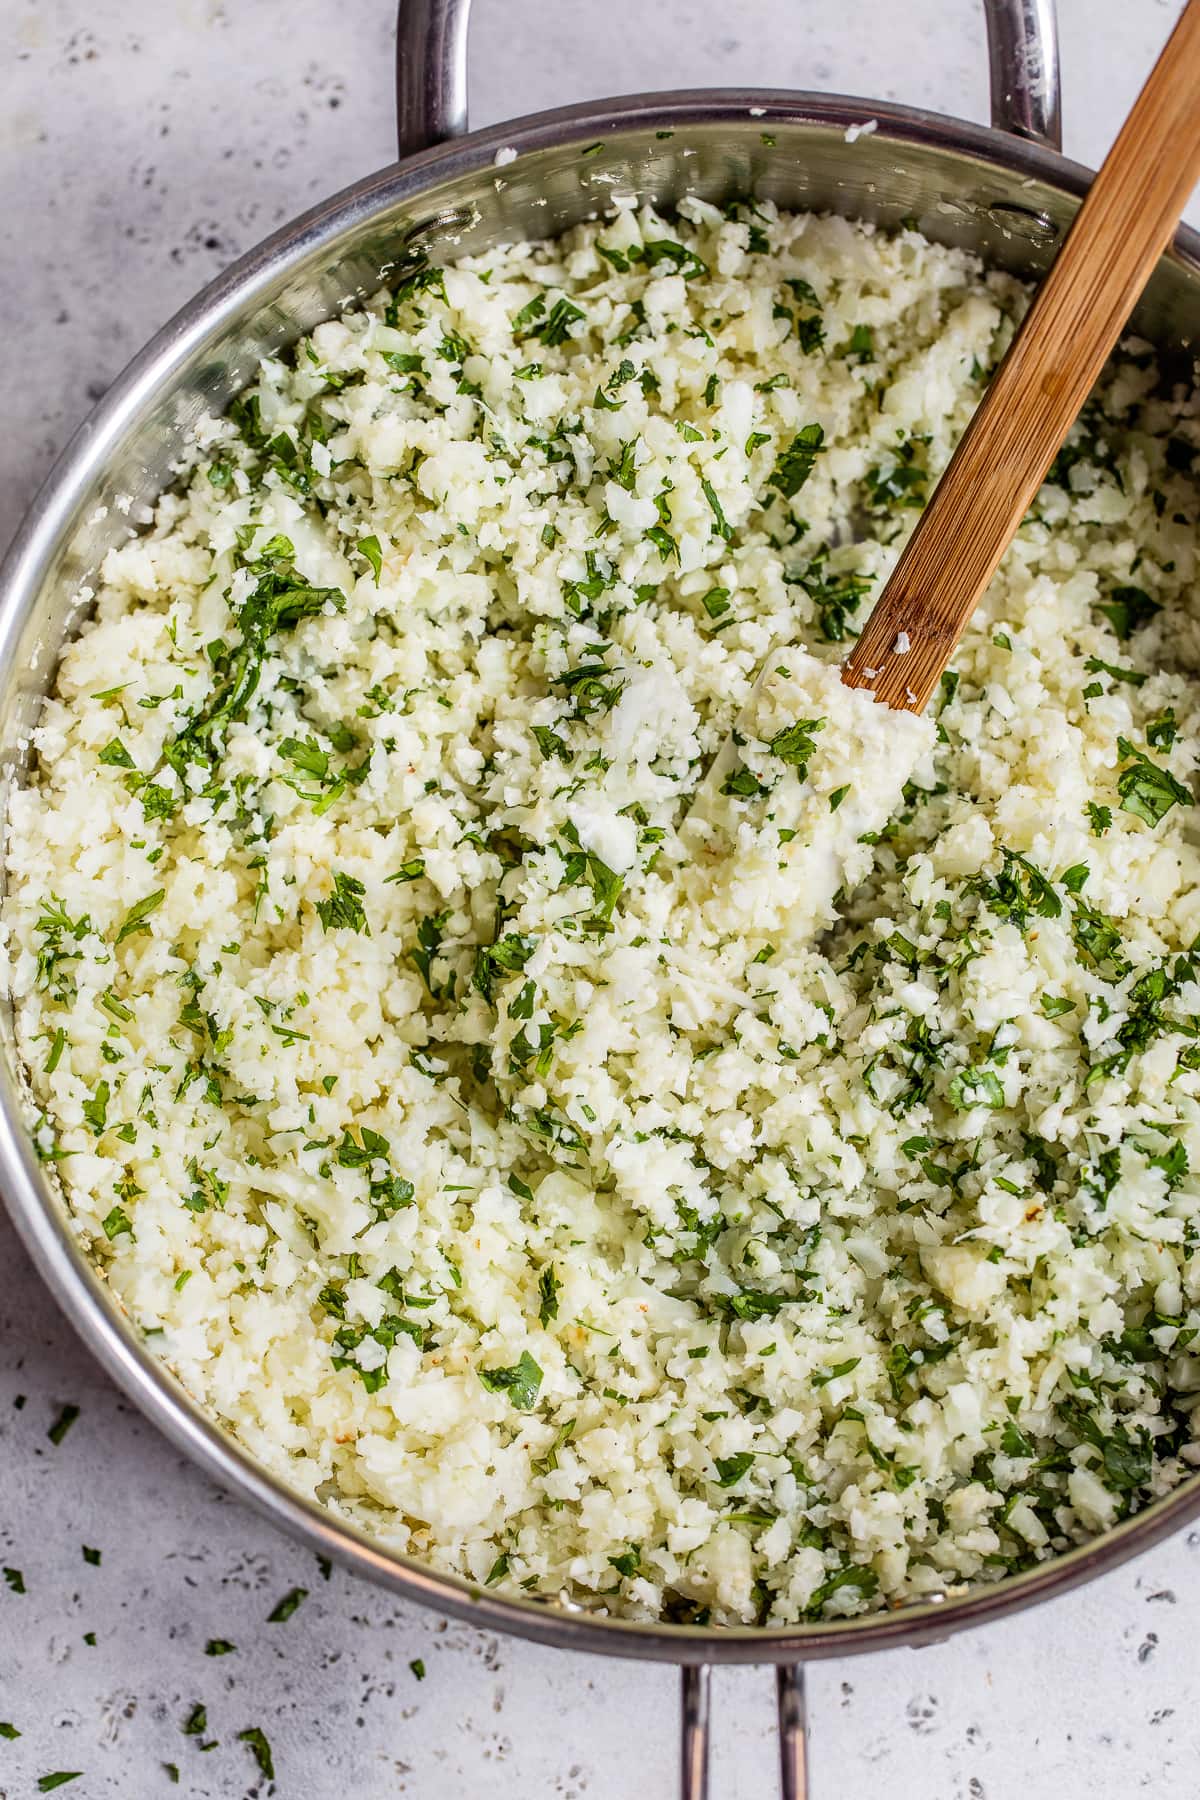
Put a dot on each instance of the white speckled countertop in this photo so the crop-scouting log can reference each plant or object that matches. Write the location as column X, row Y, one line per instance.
column 143, row 144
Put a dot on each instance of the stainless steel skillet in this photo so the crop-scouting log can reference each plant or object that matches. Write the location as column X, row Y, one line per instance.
column 1003, row 191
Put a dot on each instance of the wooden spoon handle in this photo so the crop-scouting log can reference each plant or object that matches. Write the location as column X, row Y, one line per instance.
column 1119, row 233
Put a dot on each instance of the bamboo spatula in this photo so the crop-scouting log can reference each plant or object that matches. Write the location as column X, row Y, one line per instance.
column 1121, row 230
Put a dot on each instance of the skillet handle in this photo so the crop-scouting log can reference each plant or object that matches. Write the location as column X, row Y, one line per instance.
column 431, row 71
column 1023, row 61
column 793, row 1731
column 694, row 1736
column 693, row 1731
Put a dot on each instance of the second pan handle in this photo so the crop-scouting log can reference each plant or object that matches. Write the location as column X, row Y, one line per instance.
column 431, row 71
column 694, row 1734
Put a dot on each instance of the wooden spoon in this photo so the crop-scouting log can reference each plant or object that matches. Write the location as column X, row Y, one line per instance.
column 1119, row 233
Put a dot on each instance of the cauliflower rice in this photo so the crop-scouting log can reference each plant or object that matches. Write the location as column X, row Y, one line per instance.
column 526, row 1170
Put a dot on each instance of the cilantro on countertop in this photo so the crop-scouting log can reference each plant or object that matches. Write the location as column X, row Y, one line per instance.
column 283, row 1609
column 62, row 1424
column 256, row 1738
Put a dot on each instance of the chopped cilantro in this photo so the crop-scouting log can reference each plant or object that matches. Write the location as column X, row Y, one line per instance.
column 135, row 918
column 280, row 598
column 628, row 1563
column 794, row 744
column 795, row 464
column 548, row 1287
column 742, row 784
column 370, row 548
column 730, row 1469
column 1018, row 891
column 861, row 344
column 854, row 1575
column 255, row 1737
column 522, row 1382
column 1162, row 732
column 823, row 1377
column 409, row 871
column 901, row 482
column 1127, row 609
column 836, row 598
column 344, row 907
column 1146, row 790
column 721, row 526
column 556, row 326
column 1132, row 677
column 975, row 1087
column 66, row 1418
column 283, row 1609
column 1098, row 943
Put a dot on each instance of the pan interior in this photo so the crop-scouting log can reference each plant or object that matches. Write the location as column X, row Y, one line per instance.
column 948, row 181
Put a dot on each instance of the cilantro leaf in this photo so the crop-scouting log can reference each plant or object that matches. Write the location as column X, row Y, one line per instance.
column 628, row 1562
column 548, row 1288
column 283, row 1609
column 522, row 1382
column 115, row 1223
column 256, row 1738
column 1127, row 609
column 135, row 919
column 95, row 1110
column 854, row 1575
column 795, row 464
column 1146, row 790
column 976, row 1087
column 794, row 744
column 823, row 1377
column 721, row 526
column 743, row 784
column 730, row 1469
column 555, row 328
column 371, row 548
column 344, row 906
